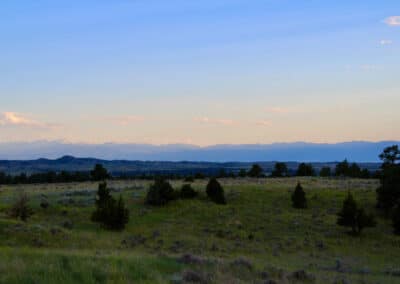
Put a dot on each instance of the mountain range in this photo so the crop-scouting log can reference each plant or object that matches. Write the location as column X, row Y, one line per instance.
column 357, row 151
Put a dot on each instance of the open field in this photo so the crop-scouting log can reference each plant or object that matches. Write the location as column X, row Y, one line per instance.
column 257, row 236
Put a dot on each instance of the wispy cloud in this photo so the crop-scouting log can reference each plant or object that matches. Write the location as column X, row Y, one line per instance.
column 127, row 119
column 393, row 21
column 264, row 123
column 20, row 120
column 207, row 120
column 369, row 67
column 279, row 110
column 386, row 42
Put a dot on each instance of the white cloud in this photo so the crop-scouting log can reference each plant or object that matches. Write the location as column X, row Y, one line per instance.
column 369, row 67
column 279, row 110
column 127, row 119
column 263, row 123
column 207, row 120
column 386, row 42
column 20, row 120
column 393, row 21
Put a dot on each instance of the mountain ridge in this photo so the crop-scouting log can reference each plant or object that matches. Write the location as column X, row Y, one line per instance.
column 357, row 151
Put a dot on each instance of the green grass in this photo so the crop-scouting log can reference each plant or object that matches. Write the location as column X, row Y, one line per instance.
column 258, row 224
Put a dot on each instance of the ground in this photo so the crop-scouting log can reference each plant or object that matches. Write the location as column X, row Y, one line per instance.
column 256, row 237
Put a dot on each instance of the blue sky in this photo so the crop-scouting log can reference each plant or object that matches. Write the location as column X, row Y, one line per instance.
column 201, row 72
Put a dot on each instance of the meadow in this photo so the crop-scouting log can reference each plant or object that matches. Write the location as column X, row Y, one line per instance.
column 256, row 238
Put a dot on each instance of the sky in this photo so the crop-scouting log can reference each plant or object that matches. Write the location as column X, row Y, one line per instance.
column 199, row 72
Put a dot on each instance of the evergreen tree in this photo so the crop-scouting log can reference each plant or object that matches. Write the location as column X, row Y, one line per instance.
column 299, row 197
column 354, row 217
column 187, row 192
column 215, row 191
column 325, row 172
column 280, row 170
column 342, row 168
column 354, row 171
column 255, row 171
column 389, row 191
column 305, row 170
column 110, row 213
column 99, row 173
column 160, row 193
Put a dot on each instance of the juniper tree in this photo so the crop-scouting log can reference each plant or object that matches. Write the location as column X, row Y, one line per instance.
column 160, row 193
column 299, row 197
column 255, row 171
column 305, row 170
column 110, row 213
column 187, row 192
column 354, row 217
column 215, row 191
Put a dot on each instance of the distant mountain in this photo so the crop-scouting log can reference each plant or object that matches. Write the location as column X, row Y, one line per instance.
column 299, row 151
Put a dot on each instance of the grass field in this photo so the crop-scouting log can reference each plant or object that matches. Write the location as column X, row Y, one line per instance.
column 257, row 236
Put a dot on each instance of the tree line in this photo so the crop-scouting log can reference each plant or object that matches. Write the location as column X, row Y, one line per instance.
column 342, row 169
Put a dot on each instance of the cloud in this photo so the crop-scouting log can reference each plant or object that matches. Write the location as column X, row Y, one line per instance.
column 127, row 120
column 277, row 110
column 393, row 21
column 20, row 120
column 369, row 67
column 386, row 42
column 207, row 120
column 264, row 123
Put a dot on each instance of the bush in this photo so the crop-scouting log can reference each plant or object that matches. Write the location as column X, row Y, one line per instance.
column 305, row 170
column 160, row 193
column 342, row 168
column 325, row 172
column 110, row 213
column 299, row 197
column 354, row 217
column 215, row 191
column 20, row 208
column 187, row 192
column 280, row 170
column 189, row 179
column 99, row 173
column 256, row 171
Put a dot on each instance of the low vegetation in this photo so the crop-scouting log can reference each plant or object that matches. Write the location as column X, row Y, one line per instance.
column 110, row 213
column 299, row 197
column 215, row 191
column 354, row 217
column 176, row 232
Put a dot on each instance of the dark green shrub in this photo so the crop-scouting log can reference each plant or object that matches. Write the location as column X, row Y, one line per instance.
column 280, row 170
column 342, row 168
column 99, row 173
column 325, row 172
column 305, row 170
column 187, row 192
column 189, row 179
column 160, row 193
column 112, row 214
column 255, row 171
column 354, row 217
column 389, row 191
column 215, row 191
column 299, row 197
column 20, row 209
